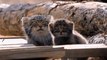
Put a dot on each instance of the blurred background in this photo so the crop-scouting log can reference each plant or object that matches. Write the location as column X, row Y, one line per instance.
column 39, row 1
column 7, row 17
column 22, row 1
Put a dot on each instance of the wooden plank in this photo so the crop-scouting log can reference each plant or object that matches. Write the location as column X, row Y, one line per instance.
column 85, row 50
column 67, row 51
column 30, row 51
column 11, row 37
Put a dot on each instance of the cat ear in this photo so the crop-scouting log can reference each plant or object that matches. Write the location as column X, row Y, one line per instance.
column 24, row 20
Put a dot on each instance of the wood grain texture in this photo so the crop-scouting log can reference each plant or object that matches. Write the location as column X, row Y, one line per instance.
column 85, row 50
column 30, row 51
column 66, row 51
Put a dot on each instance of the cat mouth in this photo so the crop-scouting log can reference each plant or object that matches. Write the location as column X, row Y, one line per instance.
column 40, row 30
column 63, row 34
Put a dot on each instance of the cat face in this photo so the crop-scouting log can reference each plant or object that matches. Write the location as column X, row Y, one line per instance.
column 61, row 28
column 36, row 25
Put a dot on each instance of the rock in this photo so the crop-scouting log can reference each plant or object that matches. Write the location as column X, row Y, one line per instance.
column 98, row 39
column 90, row 18
column 10, row 17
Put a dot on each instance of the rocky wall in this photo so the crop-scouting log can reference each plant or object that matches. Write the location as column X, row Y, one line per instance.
column 90, row 18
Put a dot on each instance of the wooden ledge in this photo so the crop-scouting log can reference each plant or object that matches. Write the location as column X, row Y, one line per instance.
column 21, row 51
column 25, row 51
column 11, row 37
column 85, row 50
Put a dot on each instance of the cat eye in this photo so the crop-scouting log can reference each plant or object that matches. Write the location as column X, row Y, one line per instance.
column 45, row 24
column 55, row 31
column 34, row 24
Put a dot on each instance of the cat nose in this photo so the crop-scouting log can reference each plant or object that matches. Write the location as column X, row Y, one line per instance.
column 40, row 26
column 61, row 33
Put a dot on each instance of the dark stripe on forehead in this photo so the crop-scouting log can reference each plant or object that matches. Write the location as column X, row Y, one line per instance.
column 61, row 22
column 39, row 17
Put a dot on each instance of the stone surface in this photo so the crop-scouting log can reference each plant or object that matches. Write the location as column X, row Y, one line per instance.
column 90, row 18
column 98, row 39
